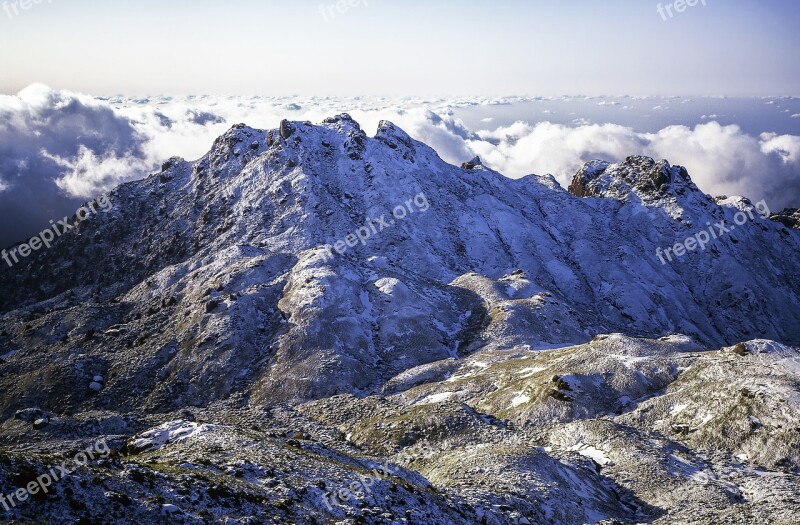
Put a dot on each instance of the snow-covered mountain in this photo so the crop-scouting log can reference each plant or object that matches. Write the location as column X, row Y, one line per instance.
column 364, row 291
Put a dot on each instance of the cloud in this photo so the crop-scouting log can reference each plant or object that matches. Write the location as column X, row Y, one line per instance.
column 38, row 127
column 204, row 117
column 722, row 160
column 88, row 173
column 560, row 150
column 59, row 149
column 786, row 146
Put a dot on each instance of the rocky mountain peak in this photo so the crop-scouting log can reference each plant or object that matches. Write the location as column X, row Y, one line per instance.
column 647, row 178
column 473, row 164
column 395, row 138
column 342, row 121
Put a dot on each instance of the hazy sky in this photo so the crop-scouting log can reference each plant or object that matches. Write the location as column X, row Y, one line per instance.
column 402, row 47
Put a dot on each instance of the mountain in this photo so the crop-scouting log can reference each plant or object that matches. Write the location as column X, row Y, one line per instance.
column 255, row 328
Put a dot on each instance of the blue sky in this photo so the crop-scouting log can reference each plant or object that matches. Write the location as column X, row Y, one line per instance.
column 408, row 47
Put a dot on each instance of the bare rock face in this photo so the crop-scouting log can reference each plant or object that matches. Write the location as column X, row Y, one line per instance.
column 581, row 185
column 286, row 129
column 311, row 325
column 790, row 217
column 472, row 164
column 641, row 175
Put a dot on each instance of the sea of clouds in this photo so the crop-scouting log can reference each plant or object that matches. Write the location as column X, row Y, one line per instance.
column 59, row 149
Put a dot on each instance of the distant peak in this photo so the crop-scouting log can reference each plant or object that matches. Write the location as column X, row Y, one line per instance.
column 343, row 120
column 238, row 133
column 338, row 118
column 397, row 139
column 639, row 174
column 473, row 164
column 386, row 127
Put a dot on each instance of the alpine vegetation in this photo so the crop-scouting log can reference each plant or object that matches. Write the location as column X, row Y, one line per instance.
column 507, row 352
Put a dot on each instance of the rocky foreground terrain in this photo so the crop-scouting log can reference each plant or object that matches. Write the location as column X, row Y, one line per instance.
column 260, row 336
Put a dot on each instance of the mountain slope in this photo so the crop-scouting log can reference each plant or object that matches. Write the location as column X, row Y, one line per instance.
column 231, row 257
column 363, row 284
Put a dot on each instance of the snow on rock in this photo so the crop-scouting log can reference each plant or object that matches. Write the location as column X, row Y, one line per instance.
column 596, row 455
column 520, row 400
column 436, row 398
column 171, row 432
column 392, row 287
column 169, row 508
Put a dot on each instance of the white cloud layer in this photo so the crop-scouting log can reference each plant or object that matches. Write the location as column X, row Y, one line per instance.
column 58, row 148
column 722, row 160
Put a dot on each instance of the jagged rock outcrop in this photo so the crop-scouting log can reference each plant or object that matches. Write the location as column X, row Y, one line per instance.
column 472, row 164
column 641, row 175
column 790, row 217
column 286, row 129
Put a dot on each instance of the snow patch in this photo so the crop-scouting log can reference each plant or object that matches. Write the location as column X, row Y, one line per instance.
column 436, row 398
column 171, row 432
column 677, row 409
column 520, row 400
column 595, row 454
